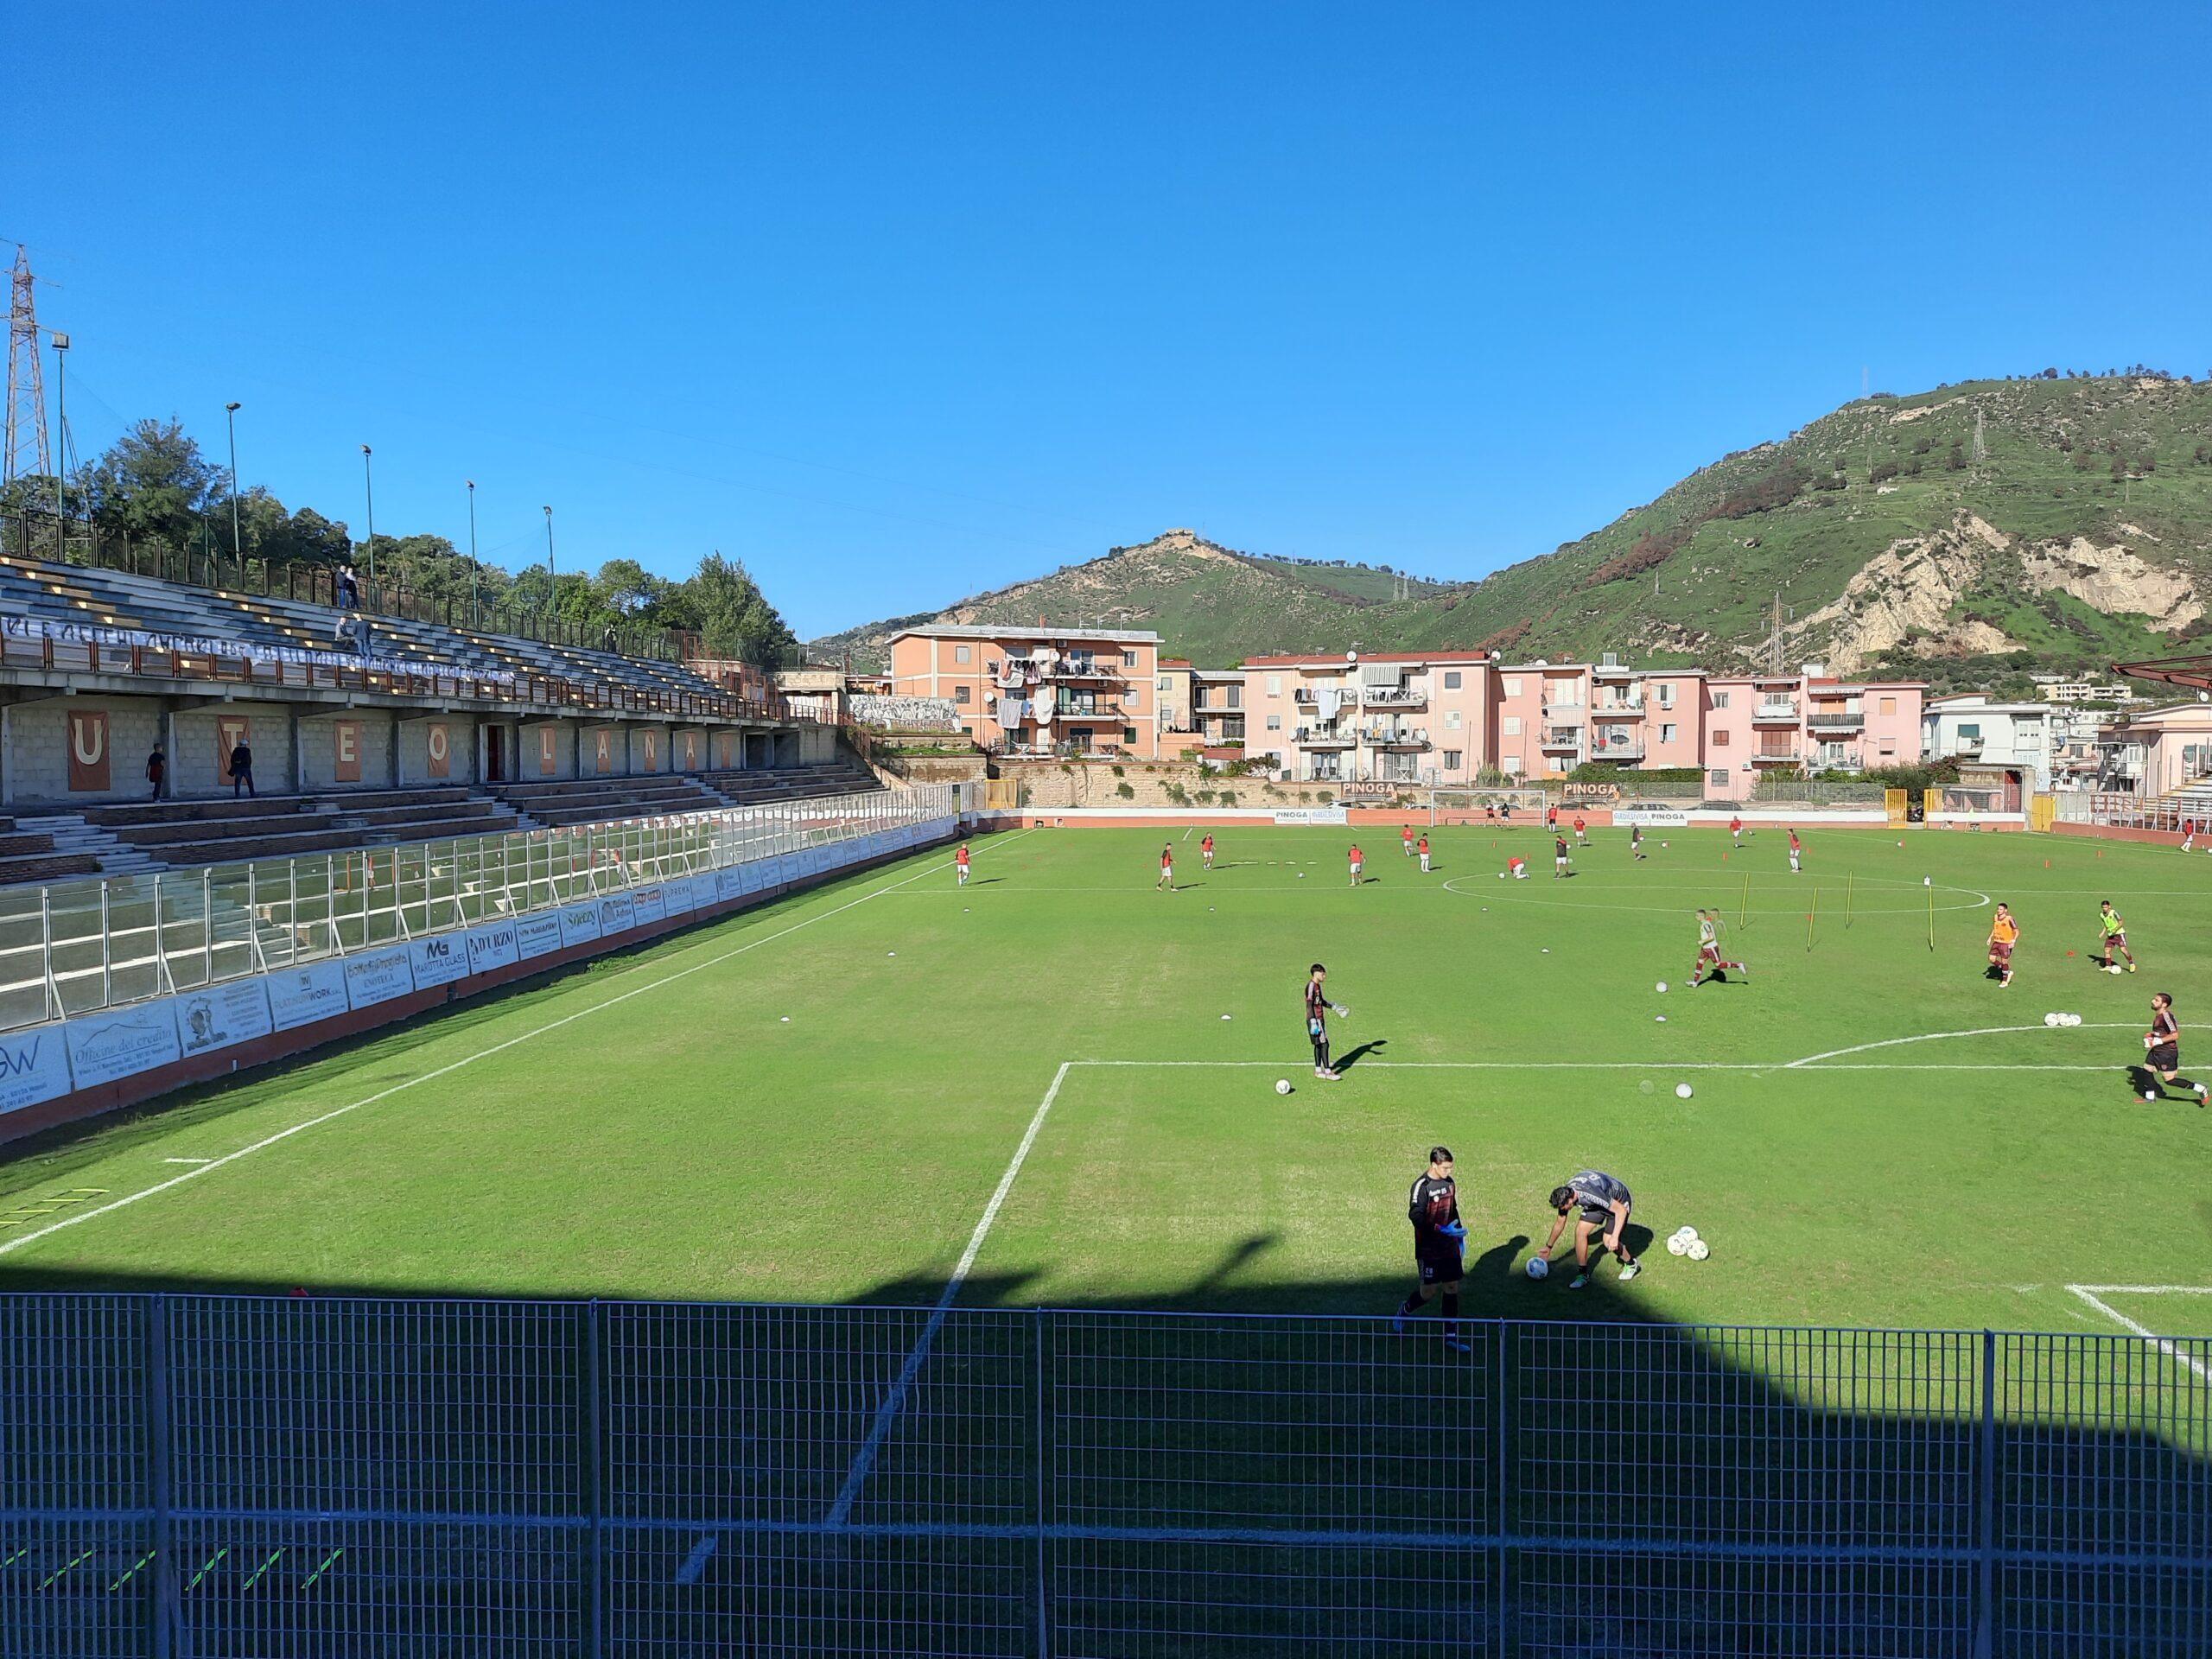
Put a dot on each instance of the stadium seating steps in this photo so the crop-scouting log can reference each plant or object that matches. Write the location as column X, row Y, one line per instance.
column 79, row 594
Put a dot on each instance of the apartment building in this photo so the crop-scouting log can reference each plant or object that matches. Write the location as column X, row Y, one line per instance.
column 1396, row 716
column 1758, row 722
column 1040, row 690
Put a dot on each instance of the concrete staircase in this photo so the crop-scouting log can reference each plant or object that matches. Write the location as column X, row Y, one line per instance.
column 78, row 848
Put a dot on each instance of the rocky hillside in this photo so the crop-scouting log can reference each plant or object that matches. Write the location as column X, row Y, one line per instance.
column 1962, row 533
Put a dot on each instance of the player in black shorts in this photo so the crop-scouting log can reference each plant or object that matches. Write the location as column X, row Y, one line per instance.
column 1317, row 1010
column 1434, row 1209
column 1604, row 1203
column 2162, row 1053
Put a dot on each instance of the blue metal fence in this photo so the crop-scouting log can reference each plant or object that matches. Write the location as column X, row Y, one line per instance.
column 191, row 1475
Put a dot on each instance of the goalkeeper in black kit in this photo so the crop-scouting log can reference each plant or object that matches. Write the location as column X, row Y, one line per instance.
column 1434, row 1208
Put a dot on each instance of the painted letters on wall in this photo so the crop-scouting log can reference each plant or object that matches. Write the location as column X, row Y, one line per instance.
column 346, row 751
column 88, row 751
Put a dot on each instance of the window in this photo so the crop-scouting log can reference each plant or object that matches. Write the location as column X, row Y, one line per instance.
column 1274, row 685
column 1128, row 659
column 1451, row 679
column 960, row 653
column 1889, row 705
column 1719, row 777
column 960, row 694
column 1160, row 685
column 1452, row 759
column 1970, row 733
column 1512, row 685
column 1235, row 696
column 1451, row 720
column 1720, row 699
column 1133, row 699
column 1720, row 740
column 1512, row 727
column 1275, row 722
column 1666, row 697
column 1512, row 766
column 1666, row 730
column 1128, row 737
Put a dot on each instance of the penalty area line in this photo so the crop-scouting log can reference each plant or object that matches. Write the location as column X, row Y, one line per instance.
column 301, row 1128
column 2089, row 1293
column 886, row 1414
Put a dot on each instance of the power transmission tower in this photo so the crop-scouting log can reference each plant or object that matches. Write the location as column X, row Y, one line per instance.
column 26, row 453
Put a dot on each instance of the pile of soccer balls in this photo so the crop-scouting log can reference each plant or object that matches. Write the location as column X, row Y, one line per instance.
column 1687, row 1243
column 2062, row 1018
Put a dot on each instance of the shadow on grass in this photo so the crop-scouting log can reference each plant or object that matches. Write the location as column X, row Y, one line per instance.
column 1171, row 1479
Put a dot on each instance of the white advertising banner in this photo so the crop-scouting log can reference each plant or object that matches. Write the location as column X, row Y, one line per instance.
column 34, row 1066
column 1311, row 815
column 437, row 961
column 1651, row 817
column 493, row 945
column 650, row 904
column 105, row 1046
column 300, row 996
column 378, row 976
column 618, row 914
column 579, row 924
column 538, row 935
column 730, row 883
column 223, row 1014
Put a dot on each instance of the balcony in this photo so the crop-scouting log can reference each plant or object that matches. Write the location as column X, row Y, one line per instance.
column 1829, row 718
column 1562, row 739
column 1782, row 711
column 1789, row 757
column 1395, row 737
column 1324, row 737
column 1626, row 709
column 1628, row 749
column 1393, row 696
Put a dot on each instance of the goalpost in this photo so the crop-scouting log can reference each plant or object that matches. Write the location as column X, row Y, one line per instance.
column 1448, row 806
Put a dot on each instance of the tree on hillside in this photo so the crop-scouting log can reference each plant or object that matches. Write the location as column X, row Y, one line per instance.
column 153, row 482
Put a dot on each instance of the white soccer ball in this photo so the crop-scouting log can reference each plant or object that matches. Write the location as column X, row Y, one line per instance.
column 1501, row 875
column 1658, row 1018
column 1662, row 844
column 1302, row 875
column 1677, row 1245
column 1682, row 1091
column 2115, row 969
column 1698, row 1250
column 1225, row 1016
column 2054, row 1018
column 1662, row 987
column 1283, row 1085
column 1537, row 1267
column 1686, row 1232
column 2073, row 1019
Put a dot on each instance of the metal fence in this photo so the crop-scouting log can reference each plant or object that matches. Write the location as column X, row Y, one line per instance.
column 187, row 1474
column 80, row 946
column 2131, row 812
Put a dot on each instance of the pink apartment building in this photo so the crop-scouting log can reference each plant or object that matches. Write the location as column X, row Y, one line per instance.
column 1038, row 691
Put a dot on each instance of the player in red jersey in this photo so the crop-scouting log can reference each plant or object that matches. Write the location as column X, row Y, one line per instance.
column 1551, row 818
column 1166, row 870
column 1205, row 849
column 1795, row 869
column 960, row 863
column 1357, row 859
column 1736, row 830
column 1581, row 831
column 1424, row 855
column 1406, row 839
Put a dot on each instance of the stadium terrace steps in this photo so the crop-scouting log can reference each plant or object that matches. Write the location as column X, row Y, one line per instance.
column 172, row 833
column 2190, row 801
column 557, row 803
column 27, row 853
column 79, row 594
column 789, row 783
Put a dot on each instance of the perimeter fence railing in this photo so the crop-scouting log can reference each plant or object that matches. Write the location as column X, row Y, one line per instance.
column 2120, row 811
column 202, row 1474
column 77, row 947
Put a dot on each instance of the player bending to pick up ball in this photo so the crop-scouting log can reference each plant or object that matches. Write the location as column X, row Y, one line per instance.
column 1317, row 1010
column 1434, row 1209
column 1604, row 1204
column 2162, row 1051
column 1708, row 951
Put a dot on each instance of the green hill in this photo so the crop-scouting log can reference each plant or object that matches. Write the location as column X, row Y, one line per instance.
column 1963, row 534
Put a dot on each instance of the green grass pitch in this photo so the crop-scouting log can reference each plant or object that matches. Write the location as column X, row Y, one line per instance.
column 818, row 1100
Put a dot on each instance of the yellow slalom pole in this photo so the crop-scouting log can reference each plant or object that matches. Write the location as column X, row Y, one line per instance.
column 1931, row 917
column 1743, row 904
column 1809, row 915
column 1850, row 888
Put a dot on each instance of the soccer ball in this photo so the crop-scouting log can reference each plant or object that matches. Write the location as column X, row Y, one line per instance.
column 1698, row 1250
column 1501, row 875
column 1678, row 1245
column 1662, row 987
column 2073, row 1019
column 1537, row 1267
column 1682, row 1091
column 2054, row 1018
column 2115, row 969
column 1283, row 1085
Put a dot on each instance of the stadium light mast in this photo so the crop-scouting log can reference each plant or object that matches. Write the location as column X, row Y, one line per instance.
column 550, row 570
column 471, row 553
column 61, row 444
column 369, row 486
column 238, row 550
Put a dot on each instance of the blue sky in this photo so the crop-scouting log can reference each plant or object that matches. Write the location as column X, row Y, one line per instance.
column 900, row 302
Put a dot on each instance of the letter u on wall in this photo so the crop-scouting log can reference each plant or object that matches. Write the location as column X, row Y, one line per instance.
column 89, row 770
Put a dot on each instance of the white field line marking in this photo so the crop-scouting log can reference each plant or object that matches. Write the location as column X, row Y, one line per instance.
column 1611, row 1065
column 2089, row 1294
column 888, row 1413
column 187, row 1160
column 1982, row 1030
column 266, row 1142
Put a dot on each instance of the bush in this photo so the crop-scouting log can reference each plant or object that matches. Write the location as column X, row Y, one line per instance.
column 1124, row 791
column 1328, row 798
column 1605, row 771
column 1178, row 794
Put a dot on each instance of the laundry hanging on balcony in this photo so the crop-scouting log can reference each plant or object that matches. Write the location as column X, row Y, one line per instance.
column 1012, row 711
column 1327, row 702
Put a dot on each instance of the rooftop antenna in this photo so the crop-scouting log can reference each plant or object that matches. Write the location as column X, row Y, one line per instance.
column 26, row 453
